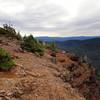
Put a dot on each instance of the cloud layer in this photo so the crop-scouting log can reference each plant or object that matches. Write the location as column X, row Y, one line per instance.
column 52, row 17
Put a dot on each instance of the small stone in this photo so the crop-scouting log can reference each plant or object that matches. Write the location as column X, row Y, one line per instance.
column 1, row 98
column 9, row 94
column 7, row 98
column 2, row 91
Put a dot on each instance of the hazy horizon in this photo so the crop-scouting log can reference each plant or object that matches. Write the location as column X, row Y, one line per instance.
column 52, row 18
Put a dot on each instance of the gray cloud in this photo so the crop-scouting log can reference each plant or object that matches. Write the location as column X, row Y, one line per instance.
column 42, row 16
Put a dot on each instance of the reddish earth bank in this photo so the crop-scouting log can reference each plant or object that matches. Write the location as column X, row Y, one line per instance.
column 42, row 78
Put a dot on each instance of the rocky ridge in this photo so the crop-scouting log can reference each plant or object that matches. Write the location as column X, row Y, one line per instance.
column 38, row 78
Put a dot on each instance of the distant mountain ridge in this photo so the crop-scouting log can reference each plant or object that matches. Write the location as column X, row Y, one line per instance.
column 60, row 39
column 89, row 47
column 82, row 45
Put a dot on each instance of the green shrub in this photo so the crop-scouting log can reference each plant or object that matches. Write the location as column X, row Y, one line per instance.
column 9, row 31
column 18, row 36
column 6, row 61
column 3, row 31
column 31, row 44
column 98, row 76
column 51, row 46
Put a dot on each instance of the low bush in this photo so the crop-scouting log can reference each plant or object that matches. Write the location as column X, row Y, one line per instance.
column 9, row 31
column 31, row 44
column 98, row 76
column 18, row 36
column 51, row 46
column 6, row 61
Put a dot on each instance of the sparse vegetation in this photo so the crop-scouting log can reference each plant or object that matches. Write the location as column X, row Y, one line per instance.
column 98, row 76
column 31, row 44
column 6, row 61
column 18, row 36
column 9, row 31
column 84, row 59
column 51, row 46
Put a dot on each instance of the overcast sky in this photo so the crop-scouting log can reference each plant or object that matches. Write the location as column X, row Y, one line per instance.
column 52, row 17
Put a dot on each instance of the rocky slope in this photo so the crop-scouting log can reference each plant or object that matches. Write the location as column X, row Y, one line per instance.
column 39, row 78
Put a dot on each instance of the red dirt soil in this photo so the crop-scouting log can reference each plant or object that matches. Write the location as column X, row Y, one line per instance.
column 38, row 78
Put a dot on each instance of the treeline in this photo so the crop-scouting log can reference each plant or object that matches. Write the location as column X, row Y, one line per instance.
column 9, row 32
